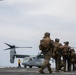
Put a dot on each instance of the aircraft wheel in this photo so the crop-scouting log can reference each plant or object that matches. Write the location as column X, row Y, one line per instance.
column 24, row 66
column 30, row 66
column 39, row 66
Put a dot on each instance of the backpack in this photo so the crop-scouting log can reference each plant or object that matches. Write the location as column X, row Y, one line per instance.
column 46, row 44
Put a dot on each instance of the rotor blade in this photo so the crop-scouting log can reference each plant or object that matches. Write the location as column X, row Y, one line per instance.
column 23, row 47
column 8, row 44
column 7, row 49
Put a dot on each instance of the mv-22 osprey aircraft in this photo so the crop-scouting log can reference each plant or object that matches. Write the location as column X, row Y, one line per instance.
column 27, row 59
column 13, row 53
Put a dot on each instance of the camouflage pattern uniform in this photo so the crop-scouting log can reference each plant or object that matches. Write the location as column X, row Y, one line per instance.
column 61, row 64
column 72, row 56
column 45, row 47
column 57, row 54
column 66, row 56
column 75, row 61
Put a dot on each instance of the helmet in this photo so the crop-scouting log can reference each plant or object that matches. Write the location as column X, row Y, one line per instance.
column 47, row 34
column 72, row 50
column 66, row 42
column 56, row 40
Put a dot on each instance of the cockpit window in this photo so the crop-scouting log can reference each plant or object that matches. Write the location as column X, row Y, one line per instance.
column 33, row 57
column 25, row 59
column 30, row 58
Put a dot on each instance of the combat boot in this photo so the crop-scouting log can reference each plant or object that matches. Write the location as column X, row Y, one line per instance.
column 41, row 71
column 69, row 70
column 64, row 70
column 50, row 71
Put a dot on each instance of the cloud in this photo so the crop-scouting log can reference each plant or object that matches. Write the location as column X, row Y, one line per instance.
column 17, row 32
column 64, row 10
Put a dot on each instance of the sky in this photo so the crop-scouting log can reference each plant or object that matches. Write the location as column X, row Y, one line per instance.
column 24, row 22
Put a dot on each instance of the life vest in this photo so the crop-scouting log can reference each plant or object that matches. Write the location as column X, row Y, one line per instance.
column 19, row 61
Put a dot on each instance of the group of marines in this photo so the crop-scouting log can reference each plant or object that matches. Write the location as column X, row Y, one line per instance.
column 64, row 55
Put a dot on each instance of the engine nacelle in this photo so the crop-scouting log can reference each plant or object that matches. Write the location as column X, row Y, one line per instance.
column 12, row 55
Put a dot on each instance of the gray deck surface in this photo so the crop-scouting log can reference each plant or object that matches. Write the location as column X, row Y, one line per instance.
column 31, row 71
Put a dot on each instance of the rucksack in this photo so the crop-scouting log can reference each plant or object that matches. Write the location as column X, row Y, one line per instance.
column 46, row 44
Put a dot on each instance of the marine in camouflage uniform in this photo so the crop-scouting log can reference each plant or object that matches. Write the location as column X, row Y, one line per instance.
column 75, row 61
column 46, row 46
column 57, row 54
column 72, row 56
column 66, row 56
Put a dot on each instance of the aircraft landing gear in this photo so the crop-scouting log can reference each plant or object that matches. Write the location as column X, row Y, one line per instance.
column 24, row 66
column 30, row 66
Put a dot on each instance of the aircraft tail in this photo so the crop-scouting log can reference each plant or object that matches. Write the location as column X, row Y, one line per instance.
column 13, row 55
